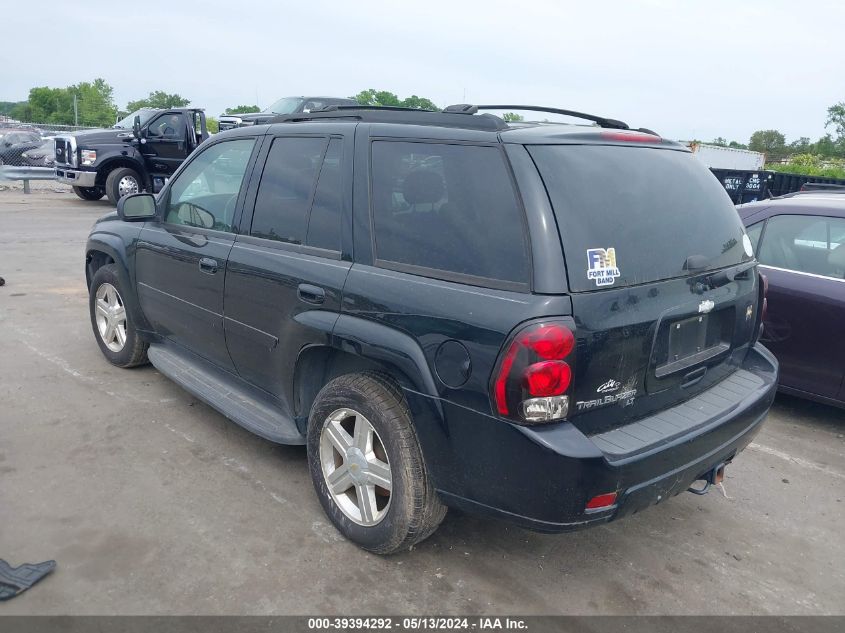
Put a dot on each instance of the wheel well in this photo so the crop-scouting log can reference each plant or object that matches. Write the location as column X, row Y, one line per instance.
column 94, row 261
column 103, row 172
column 318, row 365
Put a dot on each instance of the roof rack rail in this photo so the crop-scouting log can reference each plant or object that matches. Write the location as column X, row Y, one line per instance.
column 465, row 108
column 396, row 114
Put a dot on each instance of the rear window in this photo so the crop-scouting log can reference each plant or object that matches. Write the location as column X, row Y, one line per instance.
column 633, row 215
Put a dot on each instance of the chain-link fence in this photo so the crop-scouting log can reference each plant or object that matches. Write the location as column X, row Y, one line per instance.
column 30, row 144
column 28, row 150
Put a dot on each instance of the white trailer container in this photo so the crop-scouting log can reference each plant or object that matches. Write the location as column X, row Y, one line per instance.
column 718, row 157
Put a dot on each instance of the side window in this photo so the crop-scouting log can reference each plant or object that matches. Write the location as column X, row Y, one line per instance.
column 449, row 208
column 284, row 194
column 324, row 222
column 167, row 126
column 805, row 243
column 753, row 232
column 205, row 193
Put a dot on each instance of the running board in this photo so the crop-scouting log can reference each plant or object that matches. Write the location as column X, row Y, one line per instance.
column 226, row 393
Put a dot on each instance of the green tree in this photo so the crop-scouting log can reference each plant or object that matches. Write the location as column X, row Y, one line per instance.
column 243, row 109
column 212, row 125
column 373, row 97
column 512, row 116
column 94, row 104
column 771, row 142
column 160, row 100
column 6, row 107
column 836, row 118
column 721, row 142
column 800, row 146
column 737, row 145
column 825, row 146
column 418, row 103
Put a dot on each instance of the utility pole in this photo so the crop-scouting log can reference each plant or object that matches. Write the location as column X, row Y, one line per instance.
column 75, row 112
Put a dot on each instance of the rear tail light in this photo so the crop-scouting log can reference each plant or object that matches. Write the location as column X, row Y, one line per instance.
column 534, row 374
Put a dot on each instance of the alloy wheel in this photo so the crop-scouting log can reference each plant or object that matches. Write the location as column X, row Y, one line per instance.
column 355, row 467
column 111, row 317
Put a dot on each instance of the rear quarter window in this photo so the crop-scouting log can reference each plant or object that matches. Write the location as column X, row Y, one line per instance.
column 450, row 209
column 658, row 209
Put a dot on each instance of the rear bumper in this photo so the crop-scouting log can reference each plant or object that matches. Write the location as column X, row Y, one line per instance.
column 76, row 177
column 542, row 477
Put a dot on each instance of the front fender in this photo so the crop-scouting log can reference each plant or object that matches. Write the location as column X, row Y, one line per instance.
column 132, row 158
column 120, row 248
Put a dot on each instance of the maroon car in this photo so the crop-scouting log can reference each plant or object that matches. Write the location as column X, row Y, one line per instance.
column 799, row 240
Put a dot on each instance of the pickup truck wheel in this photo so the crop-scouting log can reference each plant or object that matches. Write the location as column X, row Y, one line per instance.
column 367, row 466
column 121, row 182
column 113, row 328
column 89, row 193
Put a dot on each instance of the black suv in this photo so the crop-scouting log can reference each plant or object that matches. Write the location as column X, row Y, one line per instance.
column 554, row 325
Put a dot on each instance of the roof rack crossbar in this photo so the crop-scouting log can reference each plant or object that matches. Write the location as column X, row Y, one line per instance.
column 600, row 120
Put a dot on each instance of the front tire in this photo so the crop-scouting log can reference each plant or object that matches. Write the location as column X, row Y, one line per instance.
column 121, row 182
column 113, row 328
column 89, row 193
column 367, row 466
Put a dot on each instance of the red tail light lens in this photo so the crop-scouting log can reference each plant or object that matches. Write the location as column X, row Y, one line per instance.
column 533, row 376
column 548, row 378
column 550, row 341
column 601, row 501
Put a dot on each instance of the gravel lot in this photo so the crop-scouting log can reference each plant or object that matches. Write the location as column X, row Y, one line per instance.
column 153, row 503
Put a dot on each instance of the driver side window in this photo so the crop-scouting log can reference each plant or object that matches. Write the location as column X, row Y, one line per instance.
column 167, row 126
column 205, row 193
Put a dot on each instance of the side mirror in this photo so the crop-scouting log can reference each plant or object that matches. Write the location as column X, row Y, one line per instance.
column 136, row 127
column 136, row 207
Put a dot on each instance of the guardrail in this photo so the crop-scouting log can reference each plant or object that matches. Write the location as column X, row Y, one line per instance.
column 9, row 172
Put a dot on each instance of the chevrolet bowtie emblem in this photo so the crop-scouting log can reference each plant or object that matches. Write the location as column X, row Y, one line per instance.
column 705, row 306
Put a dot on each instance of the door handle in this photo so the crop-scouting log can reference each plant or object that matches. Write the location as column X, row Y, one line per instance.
column 311, row 294
column 208, row 265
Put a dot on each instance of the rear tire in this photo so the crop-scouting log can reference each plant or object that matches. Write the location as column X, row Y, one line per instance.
column 413, row 510
column 121, row 182
column 89, row 193
column 113, row 328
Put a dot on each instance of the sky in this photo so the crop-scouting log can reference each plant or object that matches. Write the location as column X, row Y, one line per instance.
column 686, row 69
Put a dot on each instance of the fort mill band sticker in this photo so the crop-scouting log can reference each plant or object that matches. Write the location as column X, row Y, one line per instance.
column 601, row 266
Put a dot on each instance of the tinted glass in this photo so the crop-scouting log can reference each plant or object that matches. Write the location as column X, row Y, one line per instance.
column 324, row 222
column 805, row 243
column 655, row 208
column 753, row 232
column 285, row 105
column 447, row 207
column 205, row 193
column 128, row 122
column 284, row 195
column 167, row 126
